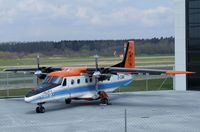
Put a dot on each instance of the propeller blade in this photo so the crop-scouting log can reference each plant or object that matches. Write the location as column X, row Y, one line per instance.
column 37, row 81
column 96, row 84
column 38, row 61
column 96, row 62
column 97, row 73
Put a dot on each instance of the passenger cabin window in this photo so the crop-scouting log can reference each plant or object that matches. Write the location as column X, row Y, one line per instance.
column 72, row 82
column 90, row 80
column 65, row 82
column 121, row 76
column 86, row 80
column 78, row 81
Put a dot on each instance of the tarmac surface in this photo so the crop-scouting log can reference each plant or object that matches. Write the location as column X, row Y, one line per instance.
column 146, row 111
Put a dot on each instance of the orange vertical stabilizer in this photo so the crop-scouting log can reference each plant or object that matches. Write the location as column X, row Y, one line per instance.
column 129, row 56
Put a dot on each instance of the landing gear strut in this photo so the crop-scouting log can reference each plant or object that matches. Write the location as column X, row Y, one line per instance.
column 104, row 98
column 40, row 108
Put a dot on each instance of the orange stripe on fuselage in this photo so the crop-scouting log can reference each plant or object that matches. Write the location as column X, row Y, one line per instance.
column 69, row 71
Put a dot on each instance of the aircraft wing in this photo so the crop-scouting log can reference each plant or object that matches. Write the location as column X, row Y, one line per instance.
column 147, row 71
column 21, row 69
column 114, row 70
column 43, row 69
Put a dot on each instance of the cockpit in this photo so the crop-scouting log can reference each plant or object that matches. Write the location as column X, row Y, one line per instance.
column 48, row 83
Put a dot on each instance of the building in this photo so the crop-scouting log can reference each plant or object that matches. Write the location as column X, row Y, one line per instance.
column 187, row 43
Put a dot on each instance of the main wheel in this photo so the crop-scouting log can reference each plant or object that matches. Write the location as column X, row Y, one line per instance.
column 104, row 101
column 37, row 109
column 40, row 109
column 68, row 101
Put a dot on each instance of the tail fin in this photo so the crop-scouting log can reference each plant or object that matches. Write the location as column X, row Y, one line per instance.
column 129, row 57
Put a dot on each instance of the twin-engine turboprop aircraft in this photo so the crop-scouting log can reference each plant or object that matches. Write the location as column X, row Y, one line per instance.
column 85, row 83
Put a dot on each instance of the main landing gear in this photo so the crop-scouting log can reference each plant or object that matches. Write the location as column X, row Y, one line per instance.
column 40, row 108
column 104, row 98
column 68, row 101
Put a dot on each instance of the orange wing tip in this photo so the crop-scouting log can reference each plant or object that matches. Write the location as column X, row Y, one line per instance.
column 179, row 72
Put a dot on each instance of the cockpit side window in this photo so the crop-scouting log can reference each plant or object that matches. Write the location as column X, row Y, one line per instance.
column 47, row 79
column 53, row 80
column 56, row 80
column 64, row 82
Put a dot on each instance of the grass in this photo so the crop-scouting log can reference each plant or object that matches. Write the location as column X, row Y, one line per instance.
column 14, row 92
column 150, row 85
column 84, row 61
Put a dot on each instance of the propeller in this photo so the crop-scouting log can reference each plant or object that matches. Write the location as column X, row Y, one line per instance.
column 38, row 61
column 96, row 61
column 97, row 73
column 42, row 72
column 38, row 72
column 100, row 74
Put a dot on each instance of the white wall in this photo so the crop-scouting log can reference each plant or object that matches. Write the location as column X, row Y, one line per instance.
column 180, row 45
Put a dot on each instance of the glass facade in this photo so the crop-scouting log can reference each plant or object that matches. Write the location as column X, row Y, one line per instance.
column 193, row 43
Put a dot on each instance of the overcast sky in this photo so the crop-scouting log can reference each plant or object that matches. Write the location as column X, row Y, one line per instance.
column 34, row 20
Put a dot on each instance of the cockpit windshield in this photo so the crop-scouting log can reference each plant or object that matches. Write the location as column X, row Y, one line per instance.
column 53, row 80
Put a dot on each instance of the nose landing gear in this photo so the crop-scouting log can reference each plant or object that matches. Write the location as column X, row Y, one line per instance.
column 40, row 108
column 68, row 101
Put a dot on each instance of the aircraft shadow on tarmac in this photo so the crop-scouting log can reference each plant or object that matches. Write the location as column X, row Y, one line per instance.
column 127, row 95
column 115, row 102
column 57, row 106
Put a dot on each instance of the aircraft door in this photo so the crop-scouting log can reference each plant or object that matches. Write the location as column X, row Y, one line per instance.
column 66, row 87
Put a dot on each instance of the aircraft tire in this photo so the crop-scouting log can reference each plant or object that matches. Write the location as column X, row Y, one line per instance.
column 40, row 109
column 104, row 101
column 37, row 109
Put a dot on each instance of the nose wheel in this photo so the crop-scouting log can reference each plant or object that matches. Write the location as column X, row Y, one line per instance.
column 68, row 101
column 40, row 109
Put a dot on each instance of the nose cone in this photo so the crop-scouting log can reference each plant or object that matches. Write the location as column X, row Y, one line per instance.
column 27, row 99
column 30, row 93
column 29, row 96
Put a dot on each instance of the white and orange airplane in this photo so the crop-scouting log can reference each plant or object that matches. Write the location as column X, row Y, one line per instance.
column 85, row 83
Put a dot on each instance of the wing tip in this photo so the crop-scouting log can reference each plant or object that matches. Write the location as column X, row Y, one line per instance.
column 179, row 72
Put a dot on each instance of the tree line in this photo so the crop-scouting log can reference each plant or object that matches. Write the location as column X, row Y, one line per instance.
column 69, row 48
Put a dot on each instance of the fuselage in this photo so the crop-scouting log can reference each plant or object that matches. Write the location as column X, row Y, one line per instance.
column 79, row 87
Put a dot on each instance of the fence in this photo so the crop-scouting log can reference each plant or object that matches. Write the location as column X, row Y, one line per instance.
column 18, row 84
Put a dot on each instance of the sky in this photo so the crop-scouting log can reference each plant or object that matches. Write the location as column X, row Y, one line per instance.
column 55, row 20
